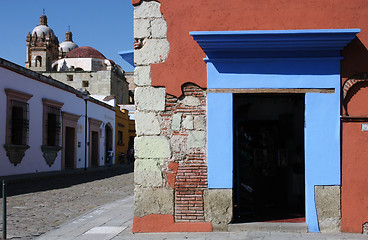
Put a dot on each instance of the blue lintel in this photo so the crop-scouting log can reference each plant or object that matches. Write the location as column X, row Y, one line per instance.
column 274, row 43
column 128, row 56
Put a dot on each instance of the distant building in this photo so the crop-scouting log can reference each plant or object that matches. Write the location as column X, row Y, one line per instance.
column 79, row 67
column 125, row 133
column 44, row 124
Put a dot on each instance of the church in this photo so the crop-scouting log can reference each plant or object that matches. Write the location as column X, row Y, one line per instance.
column 79, row 67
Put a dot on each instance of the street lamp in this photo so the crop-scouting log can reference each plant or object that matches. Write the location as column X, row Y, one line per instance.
column 85, row 95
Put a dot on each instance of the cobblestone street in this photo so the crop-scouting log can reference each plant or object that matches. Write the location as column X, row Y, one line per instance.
column 37, row 205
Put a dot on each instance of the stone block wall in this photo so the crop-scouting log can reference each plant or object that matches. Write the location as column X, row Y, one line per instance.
column 170, row 147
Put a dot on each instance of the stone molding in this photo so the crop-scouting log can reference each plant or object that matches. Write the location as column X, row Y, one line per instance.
column 15, row 153
column 50, row 153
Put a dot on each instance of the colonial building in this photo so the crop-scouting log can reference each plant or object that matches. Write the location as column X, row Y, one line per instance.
column 239, row 114
column 125, row 133
column 48, row 125
column 79, row 67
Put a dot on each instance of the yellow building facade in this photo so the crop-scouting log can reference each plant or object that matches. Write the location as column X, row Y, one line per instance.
column 124, row 134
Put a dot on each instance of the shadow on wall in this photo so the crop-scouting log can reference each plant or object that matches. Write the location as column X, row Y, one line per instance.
column 354, row 97
column 355, row 59
column 354, row 67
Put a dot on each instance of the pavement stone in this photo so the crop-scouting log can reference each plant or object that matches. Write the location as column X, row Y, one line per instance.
column 113, row 221
column 39, row 203
column 123, row 209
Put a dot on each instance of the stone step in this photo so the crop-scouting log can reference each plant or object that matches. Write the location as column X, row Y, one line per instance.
column 269, row 227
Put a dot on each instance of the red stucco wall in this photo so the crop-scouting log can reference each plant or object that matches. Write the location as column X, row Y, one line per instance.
column 185, row 64
column 354, row 194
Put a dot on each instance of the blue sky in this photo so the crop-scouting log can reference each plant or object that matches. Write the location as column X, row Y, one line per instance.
column 104, row 25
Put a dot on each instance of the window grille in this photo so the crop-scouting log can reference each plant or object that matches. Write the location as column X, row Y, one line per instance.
column 53, row 126
column 19, row 123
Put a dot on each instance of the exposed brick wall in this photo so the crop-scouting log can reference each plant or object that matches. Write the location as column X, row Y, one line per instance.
column 191, row 174
column 191, row 180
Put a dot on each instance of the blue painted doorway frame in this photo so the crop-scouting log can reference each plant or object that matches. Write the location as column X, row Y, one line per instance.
column 285, row 59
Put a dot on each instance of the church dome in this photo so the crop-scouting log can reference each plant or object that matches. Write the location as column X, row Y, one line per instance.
column 85, row 52
column 43, row 28
column 68, row 45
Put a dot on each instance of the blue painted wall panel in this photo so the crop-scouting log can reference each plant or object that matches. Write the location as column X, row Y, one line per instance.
column 266, row 59
column 322, row 133
column 265, row 74
column 220, row 140
column 322, row 147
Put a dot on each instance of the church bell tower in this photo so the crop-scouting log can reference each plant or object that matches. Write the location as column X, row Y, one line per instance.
column 42, row 47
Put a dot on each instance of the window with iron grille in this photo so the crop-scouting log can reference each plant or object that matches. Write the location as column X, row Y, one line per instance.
column 19, row 123
column 51, row 122
column 53, row 126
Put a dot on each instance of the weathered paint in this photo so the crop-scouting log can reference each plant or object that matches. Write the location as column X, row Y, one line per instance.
column 173, row 166
column 322, row 120
column 166, row 223
column 184, row 62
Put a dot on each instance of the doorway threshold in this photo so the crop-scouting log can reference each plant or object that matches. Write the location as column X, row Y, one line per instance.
column 300, row 227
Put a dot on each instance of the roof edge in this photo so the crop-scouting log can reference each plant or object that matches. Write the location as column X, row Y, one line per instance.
column 47, row 80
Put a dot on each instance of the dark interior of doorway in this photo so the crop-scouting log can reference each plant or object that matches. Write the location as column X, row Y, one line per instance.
column 94, row 150
column 69, row 148
column 108, row 142
column 269, row 157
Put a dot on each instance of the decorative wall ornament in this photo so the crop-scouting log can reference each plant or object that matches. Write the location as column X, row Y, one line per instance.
column 50, row 153
column 15, row 153
column 348, row 84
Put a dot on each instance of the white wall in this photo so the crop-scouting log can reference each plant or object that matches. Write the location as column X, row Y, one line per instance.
column 87, row 64
column 33, row 161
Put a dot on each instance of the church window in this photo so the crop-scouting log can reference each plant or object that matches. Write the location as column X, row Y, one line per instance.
column 38, row 61
column 69, row 77
column 85, row 84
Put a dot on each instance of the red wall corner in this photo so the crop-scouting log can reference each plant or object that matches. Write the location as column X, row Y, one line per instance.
column 166, row 223
column 354, row 197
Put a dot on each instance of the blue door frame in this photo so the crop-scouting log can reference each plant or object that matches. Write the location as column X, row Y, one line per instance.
column 288, row 59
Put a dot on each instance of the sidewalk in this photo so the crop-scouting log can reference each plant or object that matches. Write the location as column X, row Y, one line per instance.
column 114, row 221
